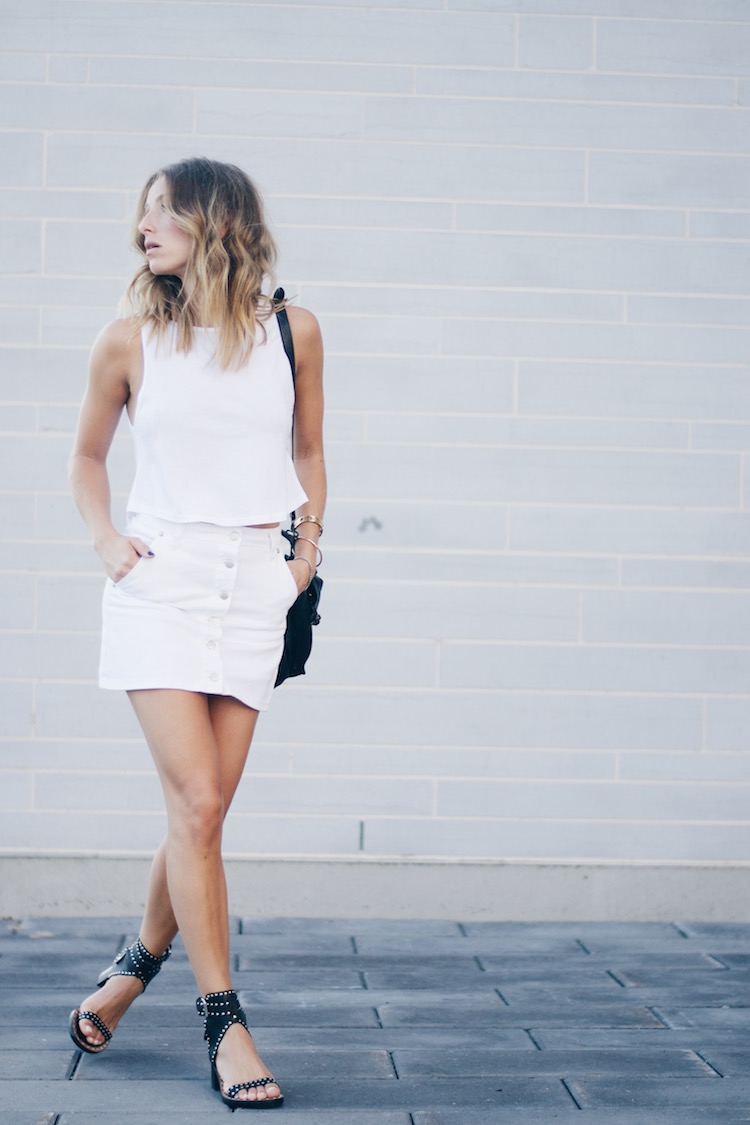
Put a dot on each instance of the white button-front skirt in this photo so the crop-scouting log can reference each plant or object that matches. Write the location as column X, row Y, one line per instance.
column 207, row 613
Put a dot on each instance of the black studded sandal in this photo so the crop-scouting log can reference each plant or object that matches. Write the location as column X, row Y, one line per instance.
column 220, row 1010
column 133, row 961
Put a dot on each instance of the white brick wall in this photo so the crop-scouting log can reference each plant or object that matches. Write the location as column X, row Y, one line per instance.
column 524, row 226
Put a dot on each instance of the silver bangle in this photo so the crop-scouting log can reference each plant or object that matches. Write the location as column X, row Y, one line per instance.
column 301, row 558
column 304, row 539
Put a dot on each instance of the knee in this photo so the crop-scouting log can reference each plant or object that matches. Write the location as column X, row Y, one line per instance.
column 198, row 812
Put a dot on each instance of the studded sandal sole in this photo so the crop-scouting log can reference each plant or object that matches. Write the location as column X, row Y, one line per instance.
column 133, row 961
column 221, row 1010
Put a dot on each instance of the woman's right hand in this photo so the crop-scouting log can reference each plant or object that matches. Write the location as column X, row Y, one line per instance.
column 119, row 553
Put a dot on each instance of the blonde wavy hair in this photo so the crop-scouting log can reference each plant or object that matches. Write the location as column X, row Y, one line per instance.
column 233, row 254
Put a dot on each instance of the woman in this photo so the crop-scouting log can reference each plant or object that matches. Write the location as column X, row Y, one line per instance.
column 198, row 588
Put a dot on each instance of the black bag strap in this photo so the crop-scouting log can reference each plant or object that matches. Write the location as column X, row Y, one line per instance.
column 288, row 342
column 286, row 332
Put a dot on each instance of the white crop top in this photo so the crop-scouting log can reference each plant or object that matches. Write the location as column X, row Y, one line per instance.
column 211, row 445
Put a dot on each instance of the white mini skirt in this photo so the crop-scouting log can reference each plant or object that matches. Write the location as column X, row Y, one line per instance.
column 207, row 613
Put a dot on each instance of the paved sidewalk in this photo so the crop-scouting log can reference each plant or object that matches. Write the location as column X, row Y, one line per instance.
column 398, row 1023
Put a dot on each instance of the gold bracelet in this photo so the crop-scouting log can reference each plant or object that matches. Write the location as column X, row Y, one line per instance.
column 307, row 519
column 304, row 539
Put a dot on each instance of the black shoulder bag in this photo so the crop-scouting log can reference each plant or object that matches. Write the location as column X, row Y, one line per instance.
column 304, row 611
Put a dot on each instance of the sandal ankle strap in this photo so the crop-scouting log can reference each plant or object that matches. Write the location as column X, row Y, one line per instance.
column 135, row 961
column 219, row 1003
column 220, row 1011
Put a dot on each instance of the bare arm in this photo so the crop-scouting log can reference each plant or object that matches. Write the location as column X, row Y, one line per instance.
column 113, row 366
column 308, row 430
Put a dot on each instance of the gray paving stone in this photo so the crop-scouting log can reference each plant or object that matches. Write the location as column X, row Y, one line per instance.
column 75, row 978
column 165, row 1066
column 127, row 1095
column 591, row 935
column 712, row 994
column 701, row 992
column 45, row 972
column 25, row 1039
column 736, row 961
column 339, row 1065
column 288, row 1064
column 608, row 1116
column 415, row 1094
column 387, row 927
column 467, row 978
column 535, row 968
column 684, row 960
column 574, row 974
column 601, row 992
column 442, row 1010
column 722, row 930
column 736, row 1018
column 538, row 946
column 604, row 992
column 415, row 947
column 694, row 1039
column 164, row 1117
column 261, row 945
column 261, row 1001
column 43, row 948
column 464, row 1064
column 279, row 925
column 289, row 1014
column 36, row 1064
column 34, row 1010
column 731, row 1062
column 660, row 1093
column 721, row 948
column 351, row 961
column 33, row 1117
column 681, row 977
column 521, row 1015
column 594, row 963
column 49, row 1009
column 298, row 961
column 270, row 979
column 78, row 927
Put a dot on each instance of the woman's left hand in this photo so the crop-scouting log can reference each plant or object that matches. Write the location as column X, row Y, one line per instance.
column 301, row 573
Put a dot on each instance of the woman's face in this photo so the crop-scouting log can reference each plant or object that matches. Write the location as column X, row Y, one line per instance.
column 167, row 247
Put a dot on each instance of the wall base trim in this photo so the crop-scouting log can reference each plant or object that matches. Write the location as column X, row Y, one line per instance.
column 470, row 890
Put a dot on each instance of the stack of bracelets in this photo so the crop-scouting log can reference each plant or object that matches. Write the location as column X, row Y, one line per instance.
column 297, row 523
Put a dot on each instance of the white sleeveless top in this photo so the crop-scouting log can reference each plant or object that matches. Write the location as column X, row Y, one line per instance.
column 214, row 446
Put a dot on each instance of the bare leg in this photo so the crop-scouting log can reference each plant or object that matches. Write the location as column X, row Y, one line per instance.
column 200, row 746
column 158, row 929
column 232, row 726
column 159, row 925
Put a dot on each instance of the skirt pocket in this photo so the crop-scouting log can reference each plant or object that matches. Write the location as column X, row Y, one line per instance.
column 293, row 592
column 158, row 535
